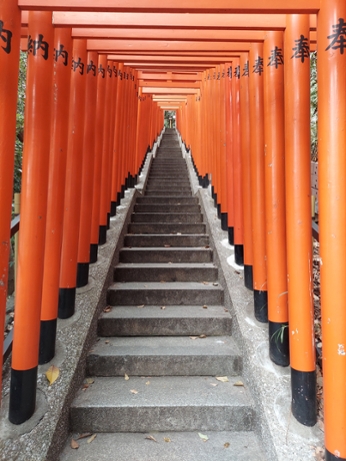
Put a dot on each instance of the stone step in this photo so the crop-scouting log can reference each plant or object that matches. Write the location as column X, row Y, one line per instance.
column 170, row 446
column 162, row 240
column 186, row 190
column 163, row 192
column 171, row 184
column 167, row 217
column 166, row 255
column 169, row 199
column 167, row 293
column 159, row 208
column 165, row 356
column 156, row 272
column 166, row 228
column 174, row 403
column 172, row 321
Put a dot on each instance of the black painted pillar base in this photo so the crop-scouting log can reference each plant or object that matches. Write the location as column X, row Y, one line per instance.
column 67, row 298
column 93, row 253
column 118, row 198
column 330, row 457
column 47, row 341
column 212, row 192
column 102, row 235
column 218, row 206
column 108, row 221
column 82, row 274
column 304, row 405
column 231, row 236
column 200, row 180
column 261, row 305
column 248, row 277
column 113, row 208
column 239, row 254
column 205, row 181
column 22, row 395
column 279, row 351
column 122, row 193
column 224, row 221
column 215, row 200
column 135, row 180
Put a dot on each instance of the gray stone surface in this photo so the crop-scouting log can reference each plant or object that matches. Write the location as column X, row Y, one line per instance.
column 173, row 320
column 164, row 356
column 167, row 217
column 157, row 272
column 169, row 446
column 168, row 199
column 166, row 228
column 166, row 255
column 166, row 208
column 157, row 240
column 166, row 403
column 167, row 293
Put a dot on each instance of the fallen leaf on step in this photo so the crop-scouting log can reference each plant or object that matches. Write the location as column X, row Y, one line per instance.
column 207, row 246
column 107, row 309
column 89, row 380
column 84, row 436
column 133, row 391
column 168, row 246
column 150, row 437
column 205, row 307
column 319, row 454
column 163, row 307
column 205, row 283
column 178, row 233
column 74, row 444
column 202, row 336
column 193, row 337
column 52, row 374
column 167, row 439
column 92, row 438
column 126, row 377
column 203, row 437
column 239, row 384
column 215, row 284
column 223, row 379
column 107, row 342
column 147, row 383
column 141, row 306
column 162, row 281
column 237, row 272
column 226, row 445
column 226, row 310
column 213, row 384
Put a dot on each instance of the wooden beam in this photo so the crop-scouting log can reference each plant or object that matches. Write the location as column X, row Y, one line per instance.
column 169, row 76
column 181, row 6
column 135, row 46
column 175, row 21
column 167, row 84
column 171, row 59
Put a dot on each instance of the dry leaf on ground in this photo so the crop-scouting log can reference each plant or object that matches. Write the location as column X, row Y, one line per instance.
column 239, row 384
column 74, row 444
column 107, row 309
column 92, row 438
column 89, row 380
column 150, row 437
column 163, row 307
column 52, row 374
column 203, row 437
column 193, row 337
column 223, row 379
column 126, row 377
column 205, row 307
column 133, row 391
column 202, row 336
column 167, row 439
column 226, row 445
column 141, row 306
column 84, row 436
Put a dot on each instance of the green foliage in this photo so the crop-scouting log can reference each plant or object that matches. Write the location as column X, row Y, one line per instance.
column 20, row 123
column 169, row 114
column 313, row 106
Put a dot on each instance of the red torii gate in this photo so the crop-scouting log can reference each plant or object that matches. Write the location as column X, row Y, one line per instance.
column 265, row 112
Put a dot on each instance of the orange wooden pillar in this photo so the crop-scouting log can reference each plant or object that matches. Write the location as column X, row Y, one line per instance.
column 105, row 168
column 56, row 191
column 229, row 154
column 99, row 121
column 83, row 257
column 237, row 166
column 332, row 219
column 274, row 138
column 9, row 63
column 223, row 146
column 33, row 217
column 298, row 218
column 115, row 192
column 73, row 187
column 256, row 69
column 246, row 170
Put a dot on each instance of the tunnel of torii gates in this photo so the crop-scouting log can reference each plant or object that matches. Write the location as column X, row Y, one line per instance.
column 100, row 76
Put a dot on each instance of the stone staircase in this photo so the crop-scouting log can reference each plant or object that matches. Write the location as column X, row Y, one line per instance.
column 152, row 392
